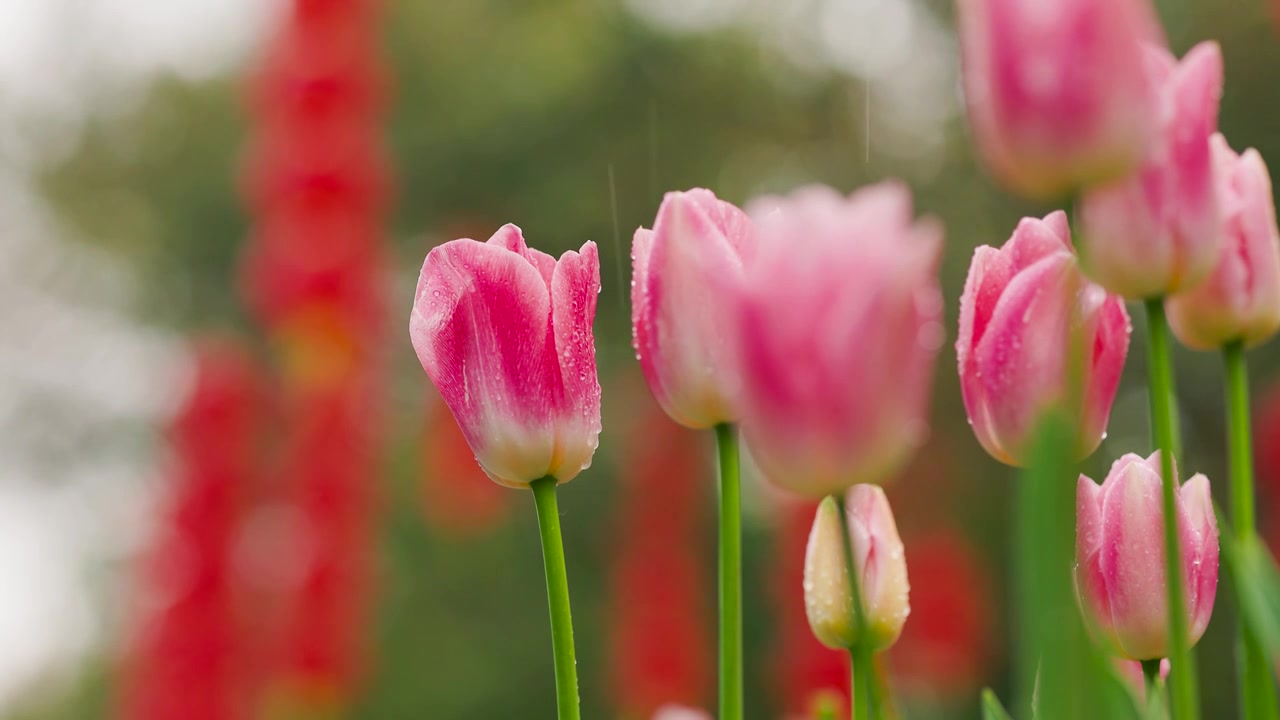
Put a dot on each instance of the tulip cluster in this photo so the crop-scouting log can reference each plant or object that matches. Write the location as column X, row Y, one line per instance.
column 810, row 324
column 1081, row 98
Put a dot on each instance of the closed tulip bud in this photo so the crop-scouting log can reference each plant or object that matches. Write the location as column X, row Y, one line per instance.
column 504, row 332
column 1120, row 565
column 679, row 316
column 1157, row 231
column 838, row 326
column 1241, row 298
column 1055, row 90
column 877, row 559
column 1026, row 307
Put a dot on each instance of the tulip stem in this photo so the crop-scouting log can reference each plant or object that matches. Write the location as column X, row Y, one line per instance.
column 730, row 574
column 1182, row 677
column 1151, row 684
column 566, row 665
column 1239, row 440
column 1256, row 686
column 864, row 686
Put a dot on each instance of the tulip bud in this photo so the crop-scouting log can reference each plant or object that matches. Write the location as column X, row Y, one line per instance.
column 1055, row 89
column 1120, row 559
column 504, row 332
column 1157, row 231
column 877, row 559
column 1241, row 298
column 838, row 325
column 679, row 314
column 1021, row 306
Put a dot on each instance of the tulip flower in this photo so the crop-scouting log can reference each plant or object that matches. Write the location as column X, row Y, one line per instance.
column 1120, row 565
column 878, row 561
column 1157, row 232
column 1055, row 91
column 1021, row 306
column 1241, row 298
column 808, row 674
column 838, row 326
column 678, row 315
column 504, row 332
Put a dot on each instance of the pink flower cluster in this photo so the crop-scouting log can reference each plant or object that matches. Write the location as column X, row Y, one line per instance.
column 813, row 320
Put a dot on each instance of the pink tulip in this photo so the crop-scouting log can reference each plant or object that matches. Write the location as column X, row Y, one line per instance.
column 504, row 332
column 1241, row 298
column 1120, row 566
column 679, row 317
column 838, row 325
column 877, row 559
column 1055, row 89
column 1021, row 305
column 1157, row 231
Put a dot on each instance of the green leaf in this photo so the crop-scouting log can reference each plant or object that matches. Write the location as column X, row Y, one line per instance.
column 991, row 707
column 1256, row 581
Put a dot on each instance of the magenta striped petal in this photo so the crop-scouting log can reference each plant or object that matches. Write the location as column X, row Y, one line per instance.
column 484, row 326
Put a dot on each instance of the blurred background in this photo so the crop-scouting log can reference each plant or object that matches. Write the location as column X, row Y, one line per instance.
column 227, row 489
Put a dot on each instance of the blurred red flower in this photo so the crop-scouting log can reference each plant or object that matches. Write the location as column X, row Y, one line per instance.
column 659, row 639
column 457, row 497
column 186, row 642
column 946, row 645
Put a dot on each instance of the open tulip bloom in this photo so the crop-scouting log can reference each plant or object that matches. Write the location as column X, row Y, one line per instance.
column 504, row 332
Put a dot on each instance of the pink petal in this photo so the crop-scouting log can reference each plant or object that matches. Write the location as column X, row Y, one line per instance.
column 480, row 329
column 1019, row 359
column 575, row 287
column 1110, row 347
column 510, row 237
column 1091, row 585
column 1132, row 561
column 1198, row 527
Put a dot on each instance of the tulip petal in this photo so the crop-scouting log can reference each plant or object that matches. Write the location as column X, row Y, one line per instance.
column 1090, row 582
column 480, row 328
column 681, row 325
column 1107, row 352
column 1020, row 359
column 575, row 287
column 1132, row 560
column 510, row 237
column 1198, row 528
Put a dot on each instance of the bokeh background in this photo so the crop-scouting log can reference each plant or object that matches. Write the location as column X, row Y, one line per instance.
column 226, row 487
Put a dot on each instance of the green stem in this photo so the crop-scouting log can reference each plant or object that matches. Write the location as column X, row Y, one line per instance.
column 544, row 496
column 1239, row 440
column 866, row 691
column 1256, row 686
column 730, row 575
column 1151, row 684
column 1182, row 676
